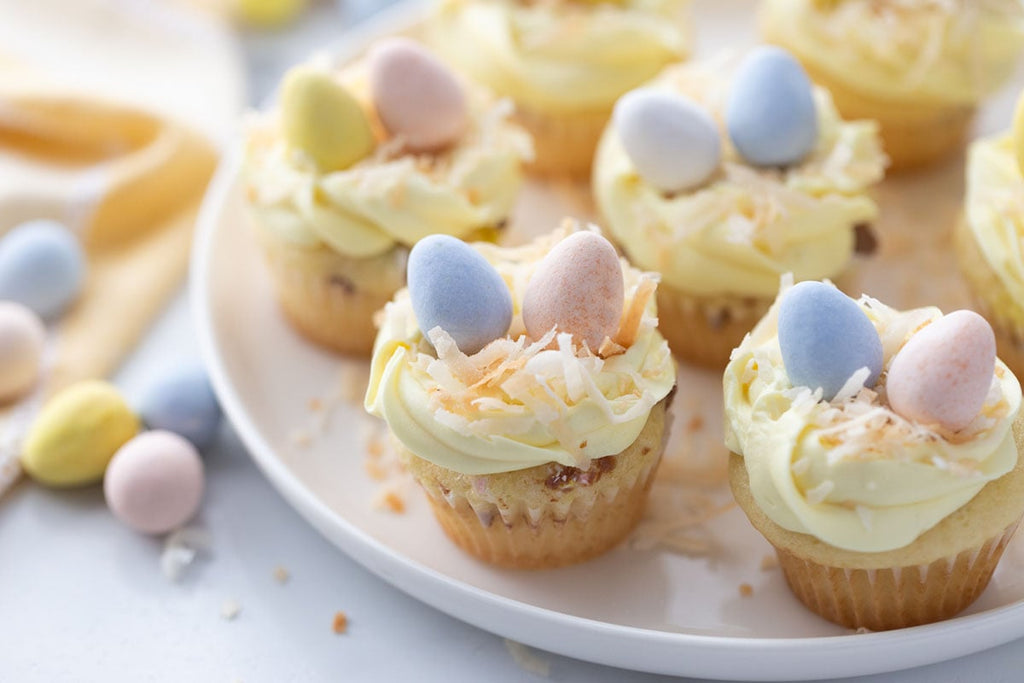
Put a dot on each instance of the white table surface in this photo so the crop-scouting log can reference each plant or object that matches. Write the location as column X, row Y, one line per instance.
column 82, row 598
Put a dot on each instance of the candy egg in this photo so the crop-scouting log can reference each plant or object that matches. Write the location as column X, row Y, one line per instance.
column 268, row 13
column 21, row 345
column 320, row 117
column 42, row 266
column 182, row 401
column 770, row 111
column 453, row 287
column 578, row 289
column 1018, row 133
column 154, row 482
column 76, row 434
column 825, row 337
column 671, row 140
column 416, row 95
column 943, row 373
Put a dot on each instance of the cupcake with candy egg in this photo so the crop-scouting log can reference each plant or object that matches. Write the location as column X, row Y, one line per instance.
column 356, row 164
column 918, row 67
column 988, row 237
column 878, row 451
column 526, row 389
column 563, row 62
column 722, row 177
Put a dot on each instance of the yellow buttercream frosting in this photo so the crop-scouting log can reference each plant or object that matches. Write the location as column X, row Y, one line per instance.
column 744, row 228
column 851, row 472
column 941, row 52
column 391, row 197
column 560, row 55
column 518, row 402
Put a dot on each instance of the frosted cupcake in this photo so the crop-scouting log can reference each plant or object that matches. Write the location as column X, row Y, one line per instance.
column 724, row 176
column 877, row 451
column 918, row 67
column 563, row 62
column 988, row 239
column 527, row 396
column 356, row 165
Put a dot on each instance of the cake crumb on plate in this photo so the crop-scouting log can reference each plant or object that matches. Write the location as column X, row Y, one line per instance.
column 340, row 623
column 281, row 574
column 746, row 590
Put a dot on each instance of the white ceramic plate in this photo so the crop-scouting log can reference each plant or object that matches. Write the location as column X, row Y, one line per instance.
column 650, row 610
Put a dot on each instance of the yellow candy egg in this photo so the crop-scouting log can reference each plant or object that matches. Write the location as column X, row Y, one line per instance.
column 320, row 117
column 77, row 433
column 1018, row 133
column 268, row 13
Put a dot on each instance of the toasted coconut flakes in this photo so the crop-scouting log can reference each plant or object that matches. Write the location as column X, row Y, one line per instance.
column 281, row 575
column 527, row 659
column 819, row 493
column 181, row 549
column 853, row 385
column 340, row 622
column 631, row 321
column 866, row 516
column 230, row 609
column 746, row 590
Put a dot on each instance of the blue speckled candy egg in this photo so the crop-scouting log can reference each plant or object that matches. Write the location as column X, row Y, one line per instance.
column 770, row 112
column 671, row 140
column 42, row 266
column 181, row 400
column 825, row 337
column 453, row 287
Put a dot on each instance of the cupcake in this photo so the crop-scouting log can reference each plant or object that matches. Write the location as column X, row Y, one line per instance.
column 356, row 165
column 563, row 62
column 725, row 175
column 877, row 451
column 918, row 67
column 528, row 395
column 988, row 238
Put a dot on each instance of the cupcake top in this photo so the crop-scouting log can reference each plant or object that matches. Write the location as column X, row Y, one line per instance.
column 747, row 219
column 879, row 462
column 943, row 52
column 562, row 55
column 537, row 391
column 384, row 152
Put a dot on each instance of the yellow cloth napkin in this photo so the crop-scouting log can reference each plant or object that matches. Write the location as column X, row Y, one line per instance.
column 129, row 181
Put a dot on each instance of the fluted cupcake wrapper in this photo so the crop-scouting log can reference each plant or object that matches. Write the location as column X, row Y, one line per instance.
column 563, row 142
column 546, row 516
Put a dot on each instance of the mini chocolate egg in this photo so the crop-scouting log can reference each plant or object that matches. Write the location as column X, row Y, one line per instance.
column 21, row 347
column 182, row 401
column 154, row 483
column 76, row 434
column 671, row 140
column 578, row 289
column 943, row 373
column 825, row 337
column 416, row 95
column 770, row 112
column 453, row 287
column 268, row 13
column 320, row 117
column 1018, row 133
column 42, row 265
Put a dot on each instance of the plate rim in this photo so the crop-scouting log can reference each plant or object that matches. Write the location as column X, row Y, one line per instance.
column 672, row 653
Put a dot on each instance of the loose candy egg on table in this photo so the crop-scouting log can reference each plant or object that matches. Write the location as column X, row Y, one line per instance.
column 76, row 434
column 42, row 265
column 943, row 373
column 825, row 337
column 22, row 336
column 320, row 117
column 1018, row 133
column 577, row 288
column 672, row 141
column 770, row 111
column 181, row 400
column 416, row 95
column 453, row 287
column 154, row 483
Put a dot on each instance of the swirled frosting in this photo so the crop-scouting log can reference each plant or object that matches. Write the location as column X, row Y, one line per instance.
column 943, row 52
column 560, row 55
column 518, row 402
column 392, row 197
column 851, row 472
column 994, row 210
column 747, row 226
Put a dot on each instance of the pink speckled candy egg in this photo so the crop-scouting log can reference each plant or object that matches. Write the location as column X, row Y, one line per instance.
column 21, row 345
column 416, row 95
column 154, row 482
column 943, row 373
column 577, row 288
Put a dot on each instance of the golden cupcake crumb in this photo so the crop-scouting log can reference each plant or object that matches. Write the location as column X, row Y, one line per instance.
column 746, row 590
column 340, row 623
